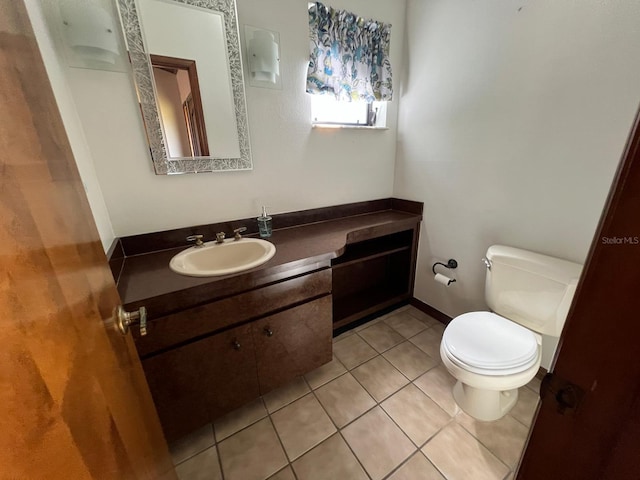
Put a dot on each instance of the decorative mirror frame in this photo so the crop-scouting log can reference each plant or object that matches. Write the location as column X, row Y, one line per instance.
column 143, row 79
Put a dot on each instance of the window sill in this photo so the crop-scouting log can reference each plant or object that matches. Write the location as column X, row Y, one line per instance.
column 338, row 126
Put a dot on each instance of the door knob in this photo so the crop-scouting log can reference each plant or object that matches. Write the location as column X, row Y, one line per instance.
column 268, row 332
column 125, row 319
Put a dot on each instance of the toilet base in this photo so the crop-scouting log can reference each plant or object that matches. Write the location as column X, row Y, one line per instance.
column 485, row 405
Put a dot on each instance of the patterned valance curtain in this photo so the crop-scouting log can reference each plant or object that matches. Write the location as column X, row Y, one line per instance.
column 349, row 55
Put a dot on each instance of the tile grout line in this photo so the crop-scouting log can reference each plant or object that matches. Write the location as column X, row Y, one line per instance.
column 483, row 444
column 339, row 430
column 284, row 450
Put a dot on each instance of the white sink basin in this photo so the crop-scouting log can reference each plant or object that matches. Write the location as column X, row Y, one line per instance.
column 231, row 256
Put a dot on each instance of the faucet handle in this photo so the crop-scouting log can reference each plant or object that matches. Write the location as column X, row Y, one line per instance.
column 238, row 231
column 197, row 239
column 219, row 237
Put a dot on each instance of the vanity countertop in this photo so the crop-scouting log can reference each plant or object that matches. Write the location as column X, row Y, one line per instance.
column 147, row 280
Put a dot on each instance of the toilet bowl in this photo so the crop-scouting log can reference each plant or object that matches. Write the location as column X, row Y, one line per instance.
column 491, row 357
column 493, row 354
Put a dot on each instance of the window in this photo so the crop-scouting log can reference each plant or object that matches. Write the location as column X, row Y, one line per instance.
column 349, row 74
column 327, row 111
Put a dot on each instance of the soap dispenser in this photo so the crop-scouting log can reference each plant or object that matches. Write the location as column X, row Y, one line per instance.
column 264, row 223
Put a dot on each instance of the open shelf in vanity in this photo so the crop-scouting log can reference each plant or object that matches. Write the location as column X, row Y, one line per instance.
column 372, row 275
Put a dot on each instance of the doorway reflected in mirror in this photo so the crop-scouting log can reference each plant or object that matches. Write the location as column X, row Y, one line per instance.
column 178, row 91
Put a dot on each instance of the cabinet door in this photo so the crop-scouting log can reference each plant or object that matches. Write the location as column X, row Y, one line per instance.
column 230, row 370
column 194, row 384
column 293, row 342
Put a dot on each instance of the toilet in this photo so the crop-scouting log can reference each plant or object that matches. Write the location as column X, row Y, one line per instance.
column 492, row 354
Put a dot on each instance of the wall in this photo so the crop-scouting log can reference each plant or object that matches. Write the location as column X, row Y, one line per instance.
column 513, row 118
column 295, row 167
column 72, row 122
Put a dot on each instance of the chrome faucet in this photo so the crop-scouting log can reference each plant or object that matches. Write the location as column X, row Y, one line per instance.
column 238, row 231
column 197, row 239
column 219, row 237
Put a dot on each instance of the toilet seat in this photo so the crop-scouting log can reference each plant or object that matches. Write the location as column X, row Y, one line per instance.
column 488, row 344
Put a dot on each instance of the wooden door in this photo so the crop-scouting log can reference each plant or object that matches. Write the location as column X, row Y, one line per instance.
column 197, row 383
column 293, row 342
column 74, row 403
column 599, row 352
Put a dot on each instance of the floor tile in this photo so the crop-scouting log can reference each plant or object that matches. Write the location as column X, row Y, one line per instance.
column 331, row 460
column 302, row 425
column 254, row 453
column 417, row 415
column 525, row 407
column 381, row 336
column 370, row 323
column 344, row 399
column 286, row 394
column 429, row 342
column 378, row 443
column 203, row 466
column 534, row 385
column 239, row 419
column 410, row 360
column 417, row 468
column 458, row 455
column 423, row 317
column 438, row 384
column 352, row 351
column 405, row 324
column 438, row 327
column 325, row 373
column 380, row 378
column 284, row 474
column 505, row 437
column 343, row 335
column 191, row 444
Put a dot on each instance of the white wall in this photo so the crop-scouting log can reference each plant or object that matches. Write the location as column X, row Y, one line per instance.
column 295, row 167
column 54, row 65
column 512, row 122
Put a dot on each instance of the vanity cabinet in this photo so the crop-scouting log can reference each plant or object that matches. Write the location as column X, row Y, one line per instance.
column 209, row 360
column 198, row 382
column 214, row 344
column 292, row 343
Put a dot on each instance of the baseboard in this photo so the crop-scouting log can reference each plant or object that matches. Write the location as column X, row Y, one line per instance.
column 429, row 310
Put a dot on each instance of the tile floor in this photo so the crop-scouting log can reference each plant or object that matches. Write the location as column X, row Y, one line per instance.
column 382, row 409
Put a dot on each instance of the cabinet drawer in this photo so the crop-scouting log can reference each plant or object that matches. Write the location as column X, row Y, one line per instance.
column 194, row 384
column 180, row 327
column 293, row 342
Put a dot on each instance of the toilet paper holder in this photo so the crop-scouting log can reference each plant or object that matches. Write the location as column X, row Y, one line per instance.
column 451, row 263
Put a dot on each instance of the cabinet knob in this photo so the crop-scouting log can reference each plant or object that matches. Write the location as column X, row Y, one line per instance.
column 268, row 332
column 236, row 345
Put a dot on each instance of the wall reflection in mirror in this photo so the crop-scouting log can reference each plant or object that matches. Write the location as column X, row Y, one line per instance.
column 188, row 77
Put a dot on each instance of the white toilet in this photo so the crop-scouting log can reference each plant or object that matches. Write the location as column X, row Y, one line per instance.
column 492, row 354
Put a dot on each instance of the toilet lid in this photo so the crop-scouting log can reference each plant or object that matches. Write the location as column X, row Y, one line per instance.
column 488, row 341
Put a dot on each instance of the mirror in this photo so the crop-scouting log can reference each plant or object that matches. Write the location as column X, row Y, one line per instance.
column 187, row 71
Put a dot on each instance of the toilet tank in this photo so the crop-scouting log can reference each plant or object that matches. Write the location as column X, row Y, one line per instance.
column 531, row 289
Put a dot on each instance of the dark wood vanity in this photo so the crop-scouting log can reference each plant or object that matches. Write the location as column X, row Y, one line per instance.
column 216, row 343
